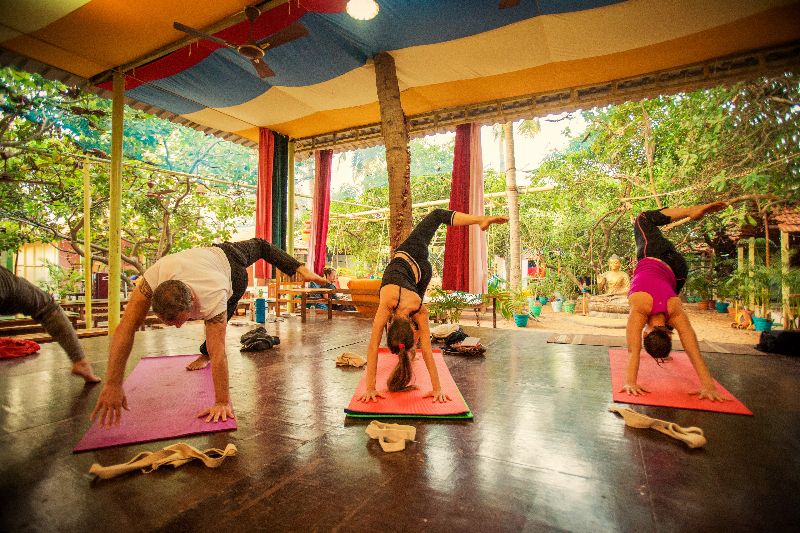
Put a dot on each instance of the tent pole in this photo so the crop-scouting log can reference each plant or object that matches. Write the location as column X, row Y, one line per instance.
column 87, row 243
column 290, row 214
column 115, row 193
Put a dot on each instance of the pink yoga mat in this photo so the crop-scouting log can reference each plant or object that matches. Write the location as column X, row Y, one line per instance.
column 164, row 399
column 410, row 402
column 669, row 385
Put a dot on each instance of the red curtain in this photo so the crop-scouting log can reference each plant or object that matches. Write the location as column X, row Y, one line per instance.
column 321, row 210
column 266, row 153
column 456, row 248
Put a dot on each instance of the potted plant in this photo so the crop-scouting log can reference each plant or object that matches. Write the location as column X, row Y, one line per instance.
column 701, row 287
column 446, row 306
column 725, row 290
column 535, row 306
column 495, row 294
column 765, row 284
column 570, row 292
column 516, row 304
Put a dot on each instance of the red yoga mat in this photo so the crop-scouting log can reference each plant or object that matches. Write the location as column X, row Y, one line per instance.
column 669, row 384
column 164, row 399
column 410, row 403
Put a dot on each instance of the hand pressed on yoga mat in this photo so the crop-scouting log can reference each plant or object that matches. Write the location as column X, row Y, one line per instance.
column 438, row 396
column 709, row 393
column 635, row 389
column 110, row 404
column 371, row 395
column 217, row 412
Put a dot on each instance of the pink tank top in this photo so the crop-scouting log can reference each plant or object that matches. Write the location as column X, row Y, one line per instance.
column 656, row 279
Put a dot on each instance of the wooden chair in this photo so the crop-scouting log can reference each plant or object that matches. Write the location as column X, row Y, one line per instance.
column 279, row 287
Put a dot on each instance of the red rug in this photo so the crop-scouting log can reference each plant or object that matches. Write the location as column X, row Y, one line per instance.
column 164, row 399
column 410, row 404
column 669, row 385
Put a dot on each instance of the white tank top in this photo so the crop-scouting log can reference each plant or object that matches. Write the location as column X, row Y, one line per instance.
column 205, row 271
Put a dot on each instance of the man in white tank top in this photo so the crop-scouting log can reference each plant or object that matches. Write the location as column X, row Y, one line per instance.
column 197, row 284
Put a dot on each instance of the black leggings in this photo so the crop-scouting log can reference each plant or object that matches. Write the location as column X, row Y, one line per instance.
column 241, row 255
column 650, row 242
column 416, row 248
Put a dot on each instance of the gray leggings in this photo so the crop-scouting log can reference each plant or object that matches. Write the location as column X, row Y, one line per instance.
column 18, row 295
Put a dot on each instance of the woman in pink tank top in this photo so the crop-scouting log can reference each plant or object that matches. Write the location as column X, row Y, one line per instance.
column 655, row 306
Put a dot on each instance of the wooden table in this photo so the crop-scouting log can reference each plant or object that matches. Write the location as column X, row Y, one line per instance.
column 304, row 294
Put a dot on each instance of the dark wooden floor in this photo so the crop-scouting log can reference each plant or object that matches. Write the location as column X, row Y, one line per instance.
column 542, row 453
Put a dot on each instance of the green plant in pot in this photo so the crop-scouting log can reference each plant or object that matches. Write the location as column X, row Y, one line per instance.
column 725, row 291
column 701, row 287
column 516, row 305
column 495, row 293
column 535, row 306
column 570, row 293
column 446, row 306
column 765, row 284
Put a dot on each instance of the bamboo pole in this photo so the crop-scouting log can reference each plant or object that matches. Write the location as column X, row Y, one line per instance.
column 751, row 266
column 115, row 193
column 290, row 201
column 784, row 285
column 431, row 203
column 740, row 267
column 87, row 243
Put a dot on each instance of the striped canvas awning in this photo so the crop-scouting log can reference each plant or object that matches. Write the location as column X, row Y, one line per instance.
column 457, row 60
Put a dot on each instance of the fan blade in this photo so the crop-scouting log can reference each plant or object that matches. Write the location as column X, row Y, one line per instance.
column 197, row 33
column 262, row 69
column 287, row 34
column 508, row 3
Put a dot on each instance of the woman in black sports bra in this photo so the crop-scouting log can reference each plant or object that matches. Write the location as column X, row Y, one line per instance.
column 403, row 287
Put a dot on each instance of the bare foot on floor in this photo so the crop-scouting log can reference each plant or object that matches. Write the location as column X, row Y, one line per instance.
column 197, row 364
column 83, row 368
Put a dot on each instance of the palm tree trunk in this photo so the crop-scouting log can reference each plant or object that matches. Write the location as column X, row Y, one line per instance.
column 395, row 138
column 512, row 198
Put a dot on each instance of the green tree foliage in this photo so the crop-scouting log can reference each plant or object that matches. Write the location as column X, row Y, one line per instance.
column 725, row 143
column 738, row 142
column 46, row 132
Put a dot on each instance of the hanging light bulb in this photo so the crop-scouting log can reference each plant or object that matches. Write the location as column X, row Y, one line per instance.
column 362, row 9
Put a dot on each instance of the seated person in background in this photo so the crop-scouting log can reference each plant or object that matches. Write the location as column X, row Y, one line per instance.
column 332, row 283
column 18, row 295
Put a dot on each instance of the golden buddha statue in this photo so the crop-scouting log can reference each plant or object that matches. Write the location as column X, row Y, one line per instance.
column 613, row 286
column 613, row 281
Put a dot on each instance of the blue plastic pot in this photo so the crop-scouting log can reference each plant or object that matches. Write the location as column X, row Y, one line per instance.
column 557, row 305
column 536, row 309
column 722, row 307
column 569, row 307
column 542, row 300
column 762, row 324
column 520, row 320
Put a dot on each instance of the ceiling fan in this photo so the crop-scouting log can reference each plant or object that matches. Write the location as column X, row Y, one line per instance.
column 253, row 50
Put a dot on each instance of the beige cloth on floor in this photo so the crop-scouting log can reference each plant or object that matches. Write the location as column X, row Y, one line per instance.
column 176, row 455
column 692, row 436
column 350, row 359
column 392, row 437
